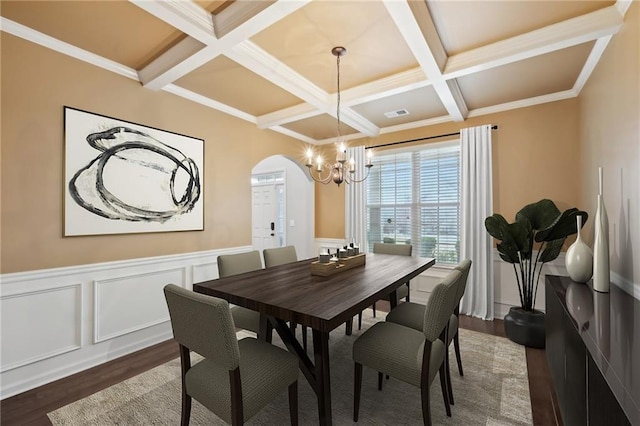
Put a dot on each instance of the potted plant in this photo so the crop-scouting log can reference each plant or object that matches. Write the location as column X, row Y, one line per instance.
column 535, row 238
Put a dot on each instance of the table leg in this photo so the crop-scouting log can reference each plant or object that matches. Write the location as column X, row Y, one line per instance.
column 393, row 300
column 349, row 327
column 266, row 329
column 323, row 374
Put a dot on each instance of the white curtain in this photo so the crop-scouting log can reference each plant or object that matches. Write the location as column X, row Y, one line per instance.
column 356, row 202
column 476, row 203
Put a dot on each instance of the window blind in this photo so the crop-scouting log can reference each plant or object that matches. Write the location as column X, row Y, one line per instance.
column 413, row 197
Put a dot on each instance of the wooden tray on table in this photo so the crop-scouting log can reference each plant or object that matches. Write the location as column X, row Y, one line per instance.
column 331, row 268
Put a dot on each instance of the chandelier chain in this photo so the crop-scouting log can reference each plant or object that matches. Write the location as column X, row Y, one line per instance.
column 338, row 104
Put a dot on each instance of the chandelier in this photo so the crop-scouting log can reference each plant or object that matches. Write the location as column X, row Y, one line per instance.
column 342, row 170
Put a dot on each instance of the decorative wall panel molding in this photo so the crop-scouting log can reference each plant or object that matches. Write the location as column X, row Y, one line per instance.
column 57, row 322
column 59, row 332
column 130, row 303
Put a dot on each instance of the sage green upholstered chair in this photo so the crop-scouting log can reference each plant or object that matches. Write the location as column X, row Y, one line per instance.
column 280, row 256
column 236, row 379
column 411, row 314
column 407, row 354
column 235, row 264
column 397, row 249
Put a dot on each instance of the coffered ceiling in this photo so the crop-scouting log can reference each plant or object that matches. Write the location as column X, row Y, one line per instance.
column 270, row 62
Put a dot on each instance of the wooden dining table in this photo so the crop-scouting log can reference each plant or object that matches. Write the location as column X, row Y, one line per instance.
column 290, row 293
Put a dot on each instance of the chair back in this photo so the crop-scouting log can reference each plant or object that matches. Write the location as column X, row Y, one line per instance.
column 234, row 264
column 464, row 268
column 440, row 305
column 279, row 256
column 399, row 249
column 204, row 325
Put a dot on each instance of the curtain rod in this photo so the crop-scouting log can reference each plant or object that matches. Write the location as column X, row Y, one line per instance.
column 494, row 127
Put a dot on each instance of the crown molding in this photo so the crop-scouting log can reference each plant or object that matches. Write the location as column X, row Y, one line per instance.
column 44, row 40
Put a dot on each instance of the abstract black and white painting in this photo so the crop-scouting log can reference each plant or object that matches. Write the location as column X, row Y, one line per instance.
column 122, row 177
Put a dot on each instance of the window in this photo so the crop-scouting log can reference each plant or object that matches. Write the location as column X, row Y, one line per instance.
column 413, row 197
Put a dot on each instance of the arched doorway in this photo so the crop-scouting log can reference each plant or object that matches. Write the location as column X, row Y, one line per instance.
column 283, row 206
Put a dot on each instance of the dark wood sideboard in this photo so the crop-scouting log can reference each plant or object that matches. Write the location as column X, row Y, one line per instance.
column 593, row 350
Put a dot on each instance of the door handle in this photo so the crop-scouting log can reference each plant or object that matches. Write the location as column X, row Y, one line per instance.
column 273, row 228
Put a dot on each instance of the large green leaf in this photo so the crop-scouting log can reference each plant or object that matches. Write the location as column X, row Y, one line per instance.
column 563, row 226
column 496, row 226
column 541, row 214
column 551, row 250
column 519, row 235
column 507, row 253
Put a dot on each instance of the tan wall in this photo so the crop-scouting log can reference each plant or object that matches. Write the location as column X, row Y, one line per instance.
column 36, row 84
column 609, row 131
column 535, row 156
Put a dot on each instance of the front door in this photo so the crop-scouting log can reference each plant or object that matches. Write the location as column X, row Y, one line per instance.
column 268, row 211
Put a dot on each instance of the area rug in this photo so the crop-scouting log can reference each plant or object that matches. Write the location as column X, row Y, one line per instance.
column 493, row 391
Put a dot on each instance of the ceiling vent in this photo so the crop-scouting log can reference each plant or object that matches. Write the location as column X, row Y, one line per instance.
column 398, row 113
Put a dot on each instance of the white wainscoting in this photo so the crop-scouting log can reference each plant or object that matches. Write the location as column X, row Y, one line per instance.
column 60, row 321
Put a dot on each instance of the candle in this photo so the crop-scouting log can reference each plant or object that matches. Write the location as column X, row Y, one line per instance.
column 352, row 165
column 341, row 152
column 319, row 164
column 369, row 156
column 309, row 157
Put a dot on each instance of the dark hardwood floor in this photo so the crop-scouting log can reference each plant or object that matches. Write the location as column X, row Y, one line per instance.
column 31, row 407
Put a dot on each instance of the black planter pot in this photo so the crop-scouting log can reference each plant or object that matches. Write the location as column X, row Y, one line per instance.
column 525, row 327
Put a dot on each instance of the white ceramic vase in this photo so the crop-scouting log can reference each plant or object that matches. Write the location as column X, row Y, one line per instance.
column 579, row 258
column 601, row 272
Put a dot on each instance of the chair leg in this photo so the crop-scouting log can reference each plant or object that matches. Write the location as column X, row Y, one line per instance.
column 374, row 309
column 357, row 387
column 360, row 321
column 447, row 368
column 443, row 385
column 456, row 346
column 186, row 409
column 293, row 403
column 426, row 405
column 379, row 380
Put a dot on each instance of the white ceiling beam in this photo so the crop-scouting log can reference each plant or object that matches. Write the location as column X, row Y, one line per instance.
column 294, row 135
column 418, row 30
column 240, row 21
column 523, row 103
column 582, row 29
column 203, row 100
column 254, row 58
column 184, row 15
column 388, row 86
column 185, row 56
column 590, row 63
column 382, row 88
column 287, row 115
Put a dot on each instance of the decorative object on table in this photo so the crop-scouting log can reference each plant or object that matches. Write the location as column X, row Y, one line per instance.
column 337, row 265
column 579, row 258
column 601, row 272
column 122, row 177
column 324, row 257
column 538, row 226
column 343, row 170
